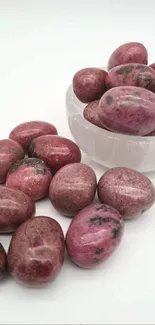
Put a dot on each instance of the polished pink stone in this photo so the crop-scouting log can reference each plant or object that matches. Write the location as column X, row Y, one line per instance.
column 128, row 110
column 132, row 52
column 94, row 234
column 55, row 151
column 131, row 74
column 15, row 208
column 72, row 188
column 89, row 84
column 36, row 251
column 127, row 190
column 10, row 152
column 31, row 176
column 24, row 133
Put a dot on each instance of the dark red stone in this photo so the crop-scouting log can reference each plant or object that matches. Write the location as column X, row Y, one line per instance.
column 89, row 84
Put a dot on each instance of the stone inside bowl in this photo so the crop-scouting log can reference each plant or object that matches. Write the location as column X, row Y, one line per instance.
column 107, row 148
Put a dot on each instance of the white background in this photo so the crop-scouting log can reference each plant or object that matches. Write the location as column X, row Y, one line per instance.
column 42, row 44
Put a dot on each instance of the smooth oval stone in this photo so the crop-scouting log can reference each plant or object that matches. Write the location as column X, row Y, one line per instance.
column 127, row 190
column 131, row 74
column 128, row 110
column 94, row 234
column 3, row 261
column 36, row 251
column 31, row 176
column 131, row 52
column 24, row 133
column 89, row 84
column 72, row 188
column 55, row 151
column 15, row 208
column 10, row 152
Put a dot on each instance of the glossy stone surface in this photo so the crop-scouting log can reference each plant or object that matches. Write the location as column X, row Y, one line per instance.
column 10, row 152
column 89, row 84
column 3, row 261
column 55, row 151
column 24, row 133
column 132, row 52
column 127, row 190
column 15, row 208
column 93, row 235
column 31, row 176
column 90, row 113
column 128, row 109
column 131, row 74
column 72, row 188
column 36, row 251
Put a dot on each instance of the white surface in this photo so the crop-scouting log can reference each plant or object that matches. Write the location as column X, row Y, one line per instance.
column 42, row 44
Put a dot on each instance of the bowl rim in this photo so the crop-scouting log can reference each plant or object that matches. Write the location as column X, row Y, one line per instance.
column 70, row 96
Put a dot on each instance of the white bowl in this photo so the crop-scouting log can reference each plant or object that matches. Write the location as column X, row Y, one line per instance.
column 107, row 148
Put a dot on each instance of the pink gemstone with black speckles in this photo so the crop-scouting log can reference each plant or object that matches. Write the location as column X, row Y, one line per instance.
column 127, row 190
column 55, row 151
column 94, row 234
column 128, row 110
column 24, row 133
column 3, row 261
column 131, row 74
column 73, row 188
column 31, row 176
column 36, row 251
column 10, row 152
